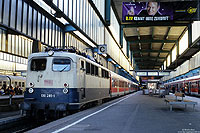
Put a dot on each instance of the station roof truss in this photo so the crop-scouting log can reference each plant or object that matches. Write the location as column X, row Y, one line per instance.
column 152, row 42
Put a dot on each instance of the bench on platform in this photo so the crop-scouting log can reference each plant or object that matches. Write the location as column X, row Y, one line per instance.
column 180, row 101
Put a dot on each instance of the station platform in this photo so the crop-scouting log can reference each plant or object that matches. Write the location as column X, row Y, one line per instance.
column 15, row 96
column 5, row 105
column 132, row 113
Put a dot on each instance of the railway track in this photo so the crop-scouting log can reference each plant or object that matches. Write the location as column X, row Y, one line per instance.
column 22, row 125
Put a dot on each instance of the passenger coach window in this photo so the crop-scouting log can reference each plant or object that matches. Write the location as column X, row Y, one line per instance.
column 96, row 71
column 22, row 84
column 103, row 73
column 87, row 68
column 60, row 65
column 38, row 64
column 15, row 83
column 92, row 69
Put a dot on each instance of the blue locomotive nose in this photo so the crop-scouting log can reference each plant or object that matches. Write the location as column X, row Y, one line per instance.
column 53, row 98
column 52, row 95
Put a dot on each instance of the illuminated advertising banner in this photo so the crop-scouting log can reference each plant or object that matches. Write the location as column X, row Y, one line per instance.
column 159, row 11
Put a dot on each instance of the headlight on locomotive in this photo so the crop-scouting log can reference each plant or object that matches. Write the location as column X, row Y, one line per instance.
column 65, row 90
column 31, row 85
column 30, row 90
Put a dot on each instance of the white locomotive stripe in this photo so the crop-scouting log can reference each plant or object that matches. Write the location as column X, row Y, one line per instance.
column 76, row 122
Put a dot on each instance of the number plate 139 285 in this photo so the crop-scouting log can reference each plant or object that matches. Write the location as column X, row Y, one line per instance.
column 48, row 95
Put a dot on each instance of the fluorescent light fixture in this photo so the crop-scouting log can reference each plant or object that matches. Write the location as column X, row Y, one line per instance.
column 62, row 20
column 47, row 8
column 51, row 11
column 113, row 62
column 84, row 38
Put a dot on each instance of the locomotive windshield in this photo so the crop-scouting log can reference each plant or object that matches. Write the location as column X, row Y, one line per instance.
column 60, row 65
column 38, row 64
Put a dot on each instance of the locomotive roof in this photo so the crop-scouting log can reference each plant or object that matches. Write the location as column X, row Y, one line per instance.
column 72, row 55
column 56, row 53
column 63, row 54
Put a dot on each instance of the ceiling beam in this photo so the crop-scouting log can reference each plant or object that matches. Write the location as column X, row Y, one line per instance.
column 152, row 34
column 152, row 37
column 153, row 41
column 145, row 63
column 145, row 24
column 153, row 51
column 166, row 36
column 139, row 44
column 149, row 57
column 149, row 65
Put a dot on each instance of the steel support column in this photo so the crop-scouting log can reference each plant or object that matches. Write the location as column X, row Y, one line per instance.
column 128, row 48
column 190, row 35
column 121, row 35
column 107, row 12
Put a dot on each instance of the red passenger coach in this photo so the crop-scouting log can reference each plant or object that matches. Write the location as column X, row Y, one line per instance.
column 190, row 86
column 120, row 85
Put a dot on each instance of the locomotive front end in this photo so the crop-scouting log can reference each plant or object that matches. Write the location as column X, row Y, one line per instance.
column 50, row 84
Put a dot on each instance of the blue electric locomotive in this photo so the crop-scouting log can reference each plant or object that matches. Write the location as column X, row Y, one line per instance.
column 62, row 81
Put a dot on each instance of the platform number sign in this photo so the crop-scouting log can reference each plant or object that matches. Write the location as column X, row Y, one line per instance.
column 102, row 49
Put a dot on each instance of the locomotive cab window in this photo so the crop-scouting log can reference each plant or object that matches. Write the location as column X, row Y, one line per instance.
column 60, row 65
column 38, row 64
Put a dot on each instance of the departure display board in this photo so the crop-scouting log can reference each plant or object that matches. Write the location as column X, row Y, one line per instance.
column 141, row 73
column 152, row 73
column 160, row 11
column 164, row 73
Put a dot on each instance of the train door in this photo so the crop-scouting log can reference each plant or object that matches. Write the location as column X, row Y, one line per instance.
column 186, row 85
column 82, row 78
column 189, row 88
column 198, row 87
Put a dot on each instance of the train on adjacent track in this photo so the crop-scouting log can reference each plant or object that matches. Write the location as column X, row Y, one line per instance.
column 9, row 81
column 59, row 81
column 190, row 85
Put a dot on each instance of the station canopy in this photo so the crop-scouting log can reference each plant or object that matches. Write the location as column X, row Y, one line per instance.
column 152, row 37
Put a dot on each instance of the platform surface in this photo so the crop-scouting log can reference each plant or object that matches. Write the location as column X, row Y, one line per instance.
column 15, row 96
column 134, row 113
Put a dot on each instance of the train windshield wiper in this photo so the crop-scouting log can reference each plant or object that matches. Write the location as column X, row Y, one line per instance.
column 64, row 68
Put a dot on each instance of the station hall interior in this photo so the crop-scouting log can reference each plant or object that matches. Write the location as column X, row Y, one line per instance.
column 30, row 26
column 143, row 49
